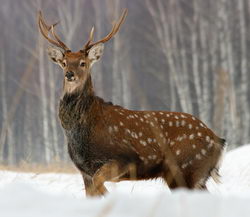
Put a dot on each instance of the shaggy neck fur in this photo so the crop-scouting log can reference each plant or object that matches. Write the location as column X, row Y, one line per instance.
column 74, row 105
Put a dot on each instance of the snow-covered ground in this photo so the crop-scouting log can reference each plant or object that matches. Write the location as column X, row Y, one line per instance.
column 61, row 195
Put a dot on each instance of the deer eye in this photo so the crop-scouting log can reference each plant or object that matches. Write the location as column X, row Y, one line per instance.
column 82, row 64
column 63, row 64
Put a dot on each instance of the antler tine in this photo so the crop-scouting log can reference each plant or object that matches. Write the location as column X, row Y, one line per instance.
column 58, row 39
column 91, row 37
column 45, row 30
column 114, row 30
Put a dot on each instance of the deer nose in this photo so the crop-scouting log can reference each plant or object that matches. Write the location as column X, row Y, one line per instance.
column 69, row 74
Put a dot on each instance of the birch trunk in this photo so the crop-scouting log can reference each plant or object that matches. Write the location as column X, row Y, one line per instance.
column 44, row 102
column 53, row 113
column 244, row 78
column 4, row 107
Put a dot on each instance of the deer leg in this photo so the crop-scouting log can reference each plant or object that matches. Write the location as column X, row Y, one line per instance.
column 174, row 177
column 111, row 171
column 90, row 188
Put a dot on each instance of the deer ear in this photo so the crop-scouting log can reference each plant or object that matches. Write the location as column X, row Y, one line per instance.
column 95, row 53
column 55, row 54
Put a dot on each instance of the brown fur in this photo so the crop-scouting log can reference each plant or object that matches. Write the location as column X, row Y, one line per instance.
column 105, row 139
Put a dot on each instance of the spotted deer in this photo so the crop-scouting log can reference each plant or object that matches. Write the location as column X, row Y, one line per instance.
column 107, row 142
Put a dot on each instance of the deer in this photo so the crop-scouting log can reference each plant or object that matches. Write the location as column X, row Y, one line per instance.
column 108, row 142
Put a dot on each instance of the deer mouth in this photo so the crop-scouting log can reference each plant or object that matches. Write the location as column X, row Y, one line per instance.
column 70, row 79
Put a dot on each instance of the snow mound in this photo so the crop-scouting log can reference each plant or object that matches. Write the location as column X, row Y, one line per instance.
column 61, row 195
column 19, row 200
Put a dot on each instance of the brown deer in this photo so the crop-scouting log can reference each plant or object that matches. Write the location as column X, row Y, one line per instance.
column 107, row 142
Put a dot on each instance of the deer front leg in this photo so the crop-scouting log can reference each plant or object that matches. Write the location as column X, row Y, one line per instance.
column 90, row 188
column 110, row 171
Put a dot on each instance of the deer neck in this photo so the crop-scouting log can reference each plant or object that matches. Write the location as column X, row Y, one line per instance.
column 75, row 105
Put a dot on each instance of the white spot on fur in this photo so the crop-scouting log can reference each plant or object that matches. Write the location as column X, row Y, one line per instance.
column 194, row 118
column 161, row 113
column 161, row 135
column 142, row 158
column 131, row 116
column 155, row 118
column 179, row 138
column 183, row 122
column 190, row 126
column 199, row 134
column 116, row 128
column 170, row 123
column 203, row 151
column 161, row 126
column 149, row 140
column 144, row 143
column 176, row 117
column 134, row 135
column 183, row 116
column 152, row 124
column 121, row 124
column 198, row 156
column 153, row 113
column 127, row 131
column 168, row 115
column 202, row 125
column 207, row 138
column 172, row 143
column 194, row 146
column 136, row 115
column 178, row 152
column 177, row 123
column 210, row 145
column 110, row 129
column 166, row 133
column 183, row 166
column 191, row 136
column 141, row 119
column 140, row 134
column 163, row 120
column 125, row 141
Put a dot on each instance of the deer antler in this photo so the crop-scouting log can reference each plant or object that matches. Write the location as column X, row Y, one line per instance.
column 45, row 29
column 114, row 30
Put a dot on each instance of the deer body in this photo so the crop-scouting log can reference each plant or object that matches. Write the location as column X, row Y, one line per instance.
column 110, row 143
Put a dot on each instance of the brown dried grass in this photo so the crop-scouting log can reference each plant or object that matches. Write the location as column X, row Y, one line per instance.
column 40, row 168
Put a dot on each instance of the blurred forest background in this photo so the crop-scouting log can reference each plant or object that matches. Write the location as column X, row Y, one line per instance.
column 178, row 55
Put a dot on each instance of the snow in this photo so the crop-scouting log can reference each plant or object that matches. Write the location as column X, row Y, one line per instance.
column 61, row 195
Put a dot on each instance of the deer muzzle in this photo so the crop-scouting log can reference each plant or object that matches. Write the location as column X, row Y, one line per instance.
column 69, row 75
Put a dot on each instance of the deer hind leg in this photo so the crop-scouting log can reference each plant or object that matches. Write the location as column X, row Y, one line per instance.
column 111, row 171
column 173, row 176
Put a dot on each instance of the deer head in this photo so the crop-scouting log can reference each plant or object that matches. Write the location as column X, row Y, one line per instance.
column 76, row 65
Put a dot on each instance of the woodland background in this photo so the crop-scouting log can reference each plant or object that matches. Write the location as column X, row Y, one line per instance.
column 178, row 55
